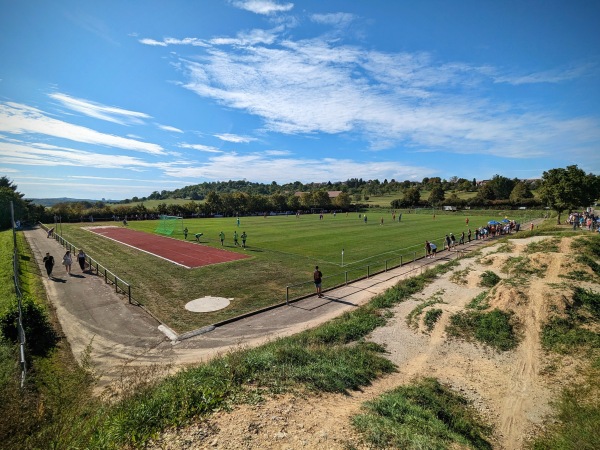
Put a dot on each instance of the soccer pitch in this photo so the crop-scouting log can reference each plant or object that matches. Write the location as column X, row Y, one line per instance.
column 283, row 251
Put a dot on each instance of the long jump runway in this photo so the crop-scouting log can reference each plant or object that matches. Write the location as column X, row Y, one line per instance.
column 186, row 254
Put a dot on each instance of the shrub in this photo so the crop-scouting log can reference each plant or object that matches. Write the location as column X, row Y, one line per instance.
column 41, row 337
column 489, row 279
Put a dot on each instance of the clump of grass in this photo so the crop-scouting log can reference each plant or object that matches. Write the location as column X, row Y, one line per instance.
column 505, row 247
column 480, row 302
column 422, row 415
column 544, row 246
column 459, row 277
column 489, row 279
column 431, row 318
column 494, row 328
column 565, row 334
column 578, row 418
column 412, row 319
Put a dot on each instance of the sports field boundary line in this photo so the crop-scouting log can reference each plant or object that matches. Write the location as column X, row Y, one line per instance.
column 136, row 248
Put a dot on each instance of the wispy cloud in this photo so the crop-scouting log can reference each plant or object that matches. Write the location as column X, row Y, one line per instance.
column 17, row 119
column 548, row 76
column 169, row 128
column 317, row 86
column 267, row 167
column 336, row 19
column 265, row 7
column 99, row 111
column 235, row 138
column 202, row 148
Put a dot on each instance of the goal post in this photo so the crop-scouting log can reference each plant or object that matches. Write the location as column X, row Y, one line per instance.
column 169, row 225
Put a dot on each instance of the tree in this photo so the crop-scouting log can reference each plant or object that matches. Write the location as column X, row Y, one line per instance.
column 412, row 196
column 520, row 192
column 436, row 196
column 568, row 189
column 342, row 201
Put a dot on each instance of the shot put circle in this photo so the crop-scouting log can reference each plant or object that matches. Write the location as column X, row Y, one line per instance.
column 207, row 304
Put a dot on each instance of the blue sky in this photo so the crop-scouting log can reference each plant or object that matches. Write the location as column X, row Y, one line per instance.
column 115, row 99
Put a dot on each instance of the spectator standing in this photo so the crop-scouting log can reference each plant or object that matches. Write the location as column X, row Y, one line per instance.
column 318, row 277
column 222, row 238
column 244, row 236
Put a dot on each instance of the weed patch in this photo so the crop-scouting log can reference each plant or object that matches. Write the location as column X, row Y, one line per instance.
column 489, row 279
column 480, row 302
column 494, row 328
column 422, row 415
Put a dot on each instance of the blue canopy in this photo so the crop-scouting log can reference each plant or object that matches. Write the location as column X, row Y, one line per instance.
column 505, row 220
column 493, row 222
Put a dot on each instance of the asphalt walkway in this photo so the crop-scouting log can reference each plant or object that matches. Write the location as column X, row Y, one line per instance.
column 117, row 334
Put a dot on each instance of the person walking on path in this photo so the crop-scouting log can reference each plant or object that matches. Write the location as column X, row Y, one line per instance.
column 222, row 237
column 318, row 276
column 469, row 235
column 433, row 249
column 244, row 236
column 67, row 261
column 448, row 243
column 427, row 249
column 48, row 263
column 462, row 238
column 81, row 259
column 235, row 239
column 185, row 233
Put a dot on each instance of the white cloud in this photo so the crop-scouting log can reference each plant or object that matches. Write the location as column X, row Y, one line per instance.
column 547, row 76
column 53, row 156
column 264, row 168
column 202, row 148
column 253, row 37
column 22, row 119
column 389, row 99
column 335, row 19
column 265, row 7
column 99, row 111
column 169, row 128
column 235, row 138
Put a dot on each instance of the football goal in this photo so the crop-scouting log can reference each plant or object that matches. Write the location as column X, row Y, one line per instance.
column 169, row 225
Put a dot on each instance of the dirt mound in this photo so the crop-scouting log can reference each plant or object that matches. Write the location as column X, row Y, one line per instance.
column 509, row 389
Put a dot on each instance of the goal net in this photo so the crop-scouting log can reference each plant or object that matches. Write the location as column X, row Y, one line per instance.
column 169, row 225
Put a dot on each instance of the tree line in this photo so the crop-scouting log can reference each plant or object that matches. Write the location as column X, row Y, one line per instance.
column 562, row 189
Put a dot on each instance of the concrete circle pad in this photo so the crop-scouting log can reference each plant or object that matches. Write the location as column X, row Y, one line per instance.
column 207, row 304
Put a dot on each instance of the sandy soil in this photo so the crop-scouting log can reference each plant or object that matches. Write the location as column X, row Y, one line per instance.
column 511, row 390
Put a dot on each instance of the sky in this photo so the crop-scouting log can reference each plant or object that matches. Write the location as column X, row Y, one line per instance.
column 120, row 98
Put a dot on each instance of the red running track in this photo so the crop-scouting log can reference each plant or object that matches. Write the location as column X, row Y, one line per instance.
column 186, row 254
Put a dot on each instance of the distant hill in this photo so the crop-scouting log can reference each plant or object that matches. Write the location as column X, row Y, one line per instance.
column 53, row 201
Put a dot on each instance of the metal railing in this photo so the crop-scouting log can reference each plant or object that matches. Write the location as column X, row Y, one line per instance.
column 19, row 294
column 95, row 267
column 306, row 288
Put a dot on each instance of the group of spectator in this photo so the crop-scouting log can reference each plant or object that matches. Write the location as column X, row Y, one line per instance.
column 585, row 219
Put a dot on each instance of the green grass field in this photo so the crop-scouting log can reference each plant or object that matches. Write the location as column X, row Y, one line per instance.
column 283, row 250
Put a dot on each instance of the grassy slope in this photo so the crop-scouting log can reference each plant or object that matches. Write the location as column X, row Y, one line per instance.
column 283, row 250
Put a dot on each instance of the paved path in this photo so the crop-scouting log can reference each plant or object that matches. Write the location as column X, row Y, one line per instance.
column 93, row 316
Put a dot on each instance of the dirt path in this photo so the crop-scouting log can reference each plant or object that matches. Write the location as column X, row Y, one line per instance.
column 508, row 388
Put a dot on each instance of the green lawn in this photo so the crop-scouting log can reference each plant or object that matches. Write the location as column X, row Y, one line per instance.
column 283, row 250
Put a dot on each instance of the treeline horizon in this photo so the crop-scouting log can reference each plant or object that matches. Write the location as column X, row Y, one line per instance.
column 558, row 189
